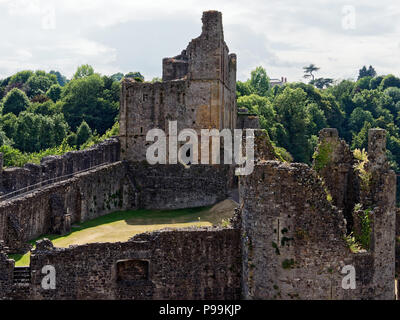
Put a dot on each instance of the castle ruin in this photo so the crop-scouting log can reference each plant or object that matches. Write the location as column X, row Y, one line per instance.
column 286, row 240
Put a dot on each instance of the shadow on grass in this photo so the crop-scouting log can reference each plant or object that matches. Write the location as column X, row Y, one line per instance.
column 137, row 217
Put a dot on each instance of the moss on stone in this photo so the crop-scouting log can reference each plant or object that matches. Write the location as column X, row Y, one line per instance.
column 322, row 156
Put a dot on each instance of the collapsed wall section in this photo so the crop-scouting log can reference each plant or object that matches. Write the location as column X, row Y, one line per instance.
column 294, row 237
column 334, row 162
column 51, row 209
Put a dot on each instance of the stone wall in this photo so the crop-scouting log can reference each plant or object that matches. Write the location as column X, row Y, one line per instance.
column 335, row 164
column 293, row 235
column 85, row 196
column 174, row 186
column 196, row 263
column 198, row 91
column 12, row 179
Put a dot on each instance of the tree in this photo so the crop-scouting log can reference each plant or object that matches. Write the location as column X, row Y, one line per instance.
column 261, row 106
column 375, row 82
column 83, row 133
column 135, row 75
column 88, row 99
column 83, row 71
column 394, row 93
column 308, row 71
column 291, row 112
column 15, row 102
column 243, row 88
column 321, row 83
column 360, row 141
column 259, row 81
column 117, row 76
column 54, row 92
column 39, row 84
column 21, row 77
column 357, row 119
column 363, row 83
column 364, row 72
column 8, row 124
column 62, row 80
column 389, row 81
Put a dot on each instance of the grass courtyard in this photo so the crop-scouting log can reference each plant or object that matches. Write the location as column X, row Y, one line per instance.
column 122, row 225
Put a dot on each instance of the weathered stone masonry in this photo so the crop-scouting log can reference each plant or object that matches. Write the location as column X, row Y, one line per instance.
column 84, row 197
column 183, row 264
column 287, row 237
column 12, row 179
column 293, row 237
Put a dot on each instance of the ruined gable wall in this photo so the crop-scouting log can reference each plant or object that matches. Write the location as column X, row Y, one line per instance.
column 334, row 162
column 197, row 263
column 85, row 196
column 12, row 179
column 293, row 239
column 294, row 245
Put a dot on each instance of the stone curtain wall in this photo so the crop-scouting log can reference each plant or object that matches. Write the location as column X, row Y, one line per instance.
column 197, row 263
column 86, row 196
column 12, row 179
column 175, row 187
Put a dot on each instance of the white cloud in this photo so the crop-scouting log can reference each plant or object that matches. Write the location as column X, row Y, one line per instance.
column 283, row 36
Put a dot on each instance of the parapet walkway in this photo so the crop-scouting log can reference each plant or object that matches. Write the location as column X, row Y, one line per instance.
column 33, row 187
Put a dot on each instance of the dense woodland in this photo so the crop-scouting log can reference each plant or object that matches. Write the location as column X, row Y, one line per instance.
column 294, row 113
column 44, row 113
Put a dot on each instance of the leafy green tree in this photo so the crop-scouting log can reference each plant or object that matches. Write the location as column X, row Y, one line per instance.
column 47, row 108
column 290, row 107
column 71, row 139
column 358, row 117
column 39, row 84
column 62, row 80
column 364, row 72
column 316, row 118
column 117, row 76
column 360, row 141
column 343, row 94
column 8, row 124
column 85, row 99
column 389, row 81
column 259, row 81
column 15, row 102
column 375, row 82
column 83, row 71
column 54, row 92
column 363, row 83
column 60, row 129
column 83, row 133
column 261, row 106
column 243, row 88
column 27, row 133
column 21, row 77
column 321, row 83
column 135, row 75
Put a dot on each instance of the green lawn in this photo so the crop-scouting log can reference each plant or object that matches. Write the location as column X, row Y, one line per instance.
column 122, row 225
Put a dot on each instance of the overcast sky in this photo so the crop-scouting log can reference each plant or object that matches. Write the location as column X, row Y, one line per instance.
column 131, row 35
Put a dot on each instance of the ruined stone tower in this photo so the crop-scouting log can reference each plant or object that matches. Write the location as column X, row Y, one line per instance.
column 198, row 91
